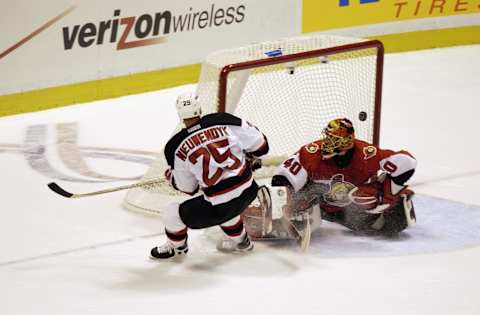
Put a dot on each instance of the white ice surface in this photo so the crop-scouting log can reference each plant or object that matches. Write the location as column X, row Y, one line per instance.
column 89, row 256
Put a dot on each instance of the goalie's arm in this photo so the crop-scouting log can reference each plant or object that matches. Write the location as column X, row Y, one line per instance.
column 400, row 167
column 291, row 174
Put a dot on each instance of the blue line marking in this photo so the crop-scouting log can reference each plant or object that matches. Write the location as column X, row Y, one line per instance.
column 274, row 53
column 344, row 3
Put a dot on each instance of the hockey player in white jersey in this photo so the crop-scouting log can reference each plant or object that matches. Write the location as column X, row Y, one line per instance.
column 212, row 154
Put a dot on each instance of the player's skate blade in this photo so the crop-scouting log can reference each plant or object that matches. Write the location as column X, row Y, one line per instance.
column 229, row 246
column 168, row 252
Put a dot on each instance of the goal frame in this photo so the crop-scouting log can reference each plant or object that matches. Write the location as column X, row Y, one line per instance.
column 226, row 70
column 221, row 94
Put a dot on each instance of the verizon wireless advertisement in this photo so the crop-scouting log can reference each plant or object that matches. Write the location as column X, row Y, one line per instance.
column 63, row 42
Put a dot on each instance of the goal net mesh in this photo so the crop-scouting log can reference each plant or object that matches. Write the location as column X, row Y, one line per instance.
column 289, row 89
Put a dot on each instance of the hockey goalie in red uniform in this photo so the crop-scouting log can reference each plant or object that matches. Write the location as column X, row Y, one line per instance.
column 355, row 183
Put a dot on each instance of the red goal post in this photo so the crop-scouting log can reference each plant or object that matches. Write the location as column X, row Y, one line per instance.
column 226, row 70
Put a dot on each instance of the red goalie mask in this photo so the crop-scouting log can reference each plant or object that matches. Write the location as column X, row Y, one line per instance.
column 338, row 137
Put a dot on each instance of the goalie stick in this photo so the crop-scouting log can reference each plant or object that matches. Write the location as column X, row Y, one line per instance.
column 302, row 231
column 305, row 235
column 302, row 236
column 59, row 190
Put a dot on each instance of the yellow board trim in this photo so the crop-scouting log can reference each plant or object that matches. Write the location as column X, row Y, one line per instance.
column 83, row 92
column 430, row 39
column 326, row 15
column 155, row 80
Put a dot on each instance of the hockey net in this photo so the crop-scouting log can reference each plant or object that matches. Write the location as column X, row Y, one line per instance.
column 289, row 89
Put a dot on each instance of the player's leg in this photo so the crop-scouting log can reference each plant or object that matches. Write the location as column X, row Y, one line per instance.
column 198, row 213
column 356, row 219
column 195, row 213
column 398, row 215
column 237, row 237
column 176, row 232
column 303, row 205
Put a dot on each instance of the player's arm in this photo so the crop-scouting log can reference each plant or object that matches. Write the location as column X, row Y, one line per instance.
column 177, row 174
column 255, row 143
column 181, row 179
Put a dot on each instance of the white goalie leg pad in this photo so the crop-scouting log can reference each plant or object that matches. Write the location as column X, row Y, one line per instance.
column 171, row 218
column 278, row 200
column 409, row 210
column 265, row 200
column 315, row 217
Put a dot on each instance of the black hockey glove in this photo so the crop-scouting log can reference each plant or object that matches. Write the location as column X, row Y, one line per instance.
column 255, row 163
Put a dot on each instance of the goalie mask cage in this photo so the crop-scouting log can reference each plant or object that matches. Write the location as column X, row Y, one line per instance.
column 290, row 89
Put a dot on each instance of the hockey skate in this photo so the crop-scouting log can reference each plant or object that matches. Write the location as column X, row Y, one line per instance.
column 167, row 251
column 227, row 245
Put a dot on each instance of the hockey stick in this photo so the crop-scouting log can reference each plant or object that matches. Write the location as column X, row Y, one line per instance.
column 307, row 233
column 153, row 182
column 301, row 236
column 59, row 190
